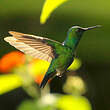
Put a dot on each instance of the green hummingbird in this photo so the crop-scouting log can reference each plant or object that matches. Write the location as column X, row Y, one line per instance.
column 60, row 55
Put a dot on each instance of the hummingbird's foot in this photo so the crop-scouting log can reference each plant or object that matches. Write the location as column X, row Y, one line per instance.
column 59, row 74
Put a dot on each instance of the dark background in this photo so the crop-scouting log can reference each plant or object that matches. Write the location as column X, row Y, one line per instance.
column 93, row 50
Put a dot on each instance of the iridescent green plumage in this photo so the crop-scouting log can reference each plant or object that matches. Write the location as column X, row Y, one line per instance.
column 64, row 53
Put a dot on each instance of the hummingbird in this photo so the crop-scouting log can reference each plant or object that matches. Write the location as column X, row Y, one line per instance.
column 60, row 55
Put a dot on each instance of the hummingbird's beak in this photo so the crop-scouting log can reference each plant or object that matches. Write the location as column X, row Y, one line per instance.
column 89, row 28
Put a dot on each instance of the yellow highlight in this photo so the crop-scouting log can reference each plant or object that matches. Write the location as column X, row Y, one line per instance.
column 38, row 67
column 48, row 7
column 9, row 82
column 69, row 102
column 75, row 65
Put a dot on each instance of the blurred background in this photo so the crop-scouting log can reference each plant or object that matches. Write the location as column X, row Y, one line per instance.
column 93, row 50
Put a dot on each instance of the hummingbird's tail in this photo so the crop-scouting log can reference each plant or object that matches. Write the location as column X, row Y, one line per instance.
column 46, row 78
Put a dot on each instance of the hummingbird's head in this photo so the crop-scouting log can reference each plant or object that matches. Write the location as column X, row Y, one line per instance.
column 79, row 30
column 74, row 35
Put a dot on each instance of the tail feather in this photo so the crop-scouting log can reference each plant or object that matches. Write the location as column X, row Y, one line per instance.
column 45, row 80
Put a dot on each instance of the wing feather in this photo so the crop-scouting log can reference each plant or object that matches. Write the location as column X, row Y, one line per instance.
column 32, row 45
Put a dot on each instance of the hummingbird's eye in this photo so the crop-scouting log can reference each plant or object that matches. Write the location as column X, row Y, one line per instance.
column 77, row 30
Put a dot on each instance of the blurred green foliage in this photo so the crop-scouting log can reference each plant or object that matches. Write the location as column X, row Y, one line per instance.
column 65, row 102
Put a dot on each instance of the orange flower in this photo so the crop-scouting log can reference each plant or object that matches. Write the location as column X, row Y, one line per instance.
column 11, row 60
column 39, row 78
column 35, row 67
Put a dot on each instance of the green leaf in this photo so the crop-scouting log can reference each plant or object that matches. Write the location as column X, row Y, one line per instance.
column 9, row 82
column 48, row 7
column 28, row 105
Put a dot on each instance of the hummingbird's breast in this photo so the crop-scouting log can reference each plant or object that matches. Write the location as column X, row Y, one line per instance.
column 65, row 59
column 64, row 62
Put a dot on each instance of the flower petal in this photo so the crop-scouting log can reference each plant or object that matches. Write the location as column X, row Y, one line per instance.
column 11, row 60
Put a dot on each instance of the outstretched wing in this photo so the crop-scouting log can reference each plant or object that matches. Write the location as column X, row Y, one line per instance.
column 36, row 46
